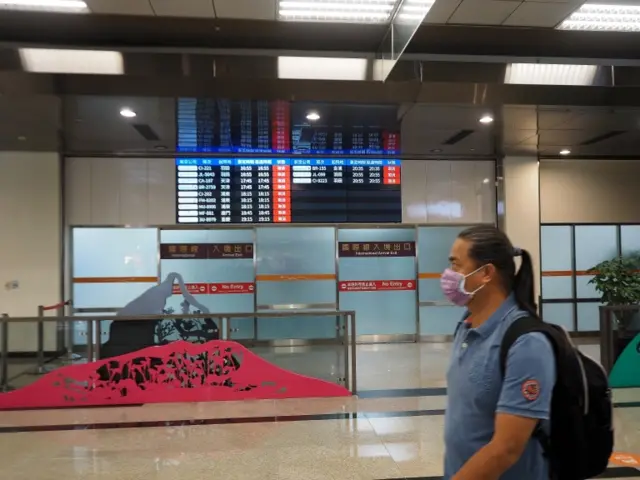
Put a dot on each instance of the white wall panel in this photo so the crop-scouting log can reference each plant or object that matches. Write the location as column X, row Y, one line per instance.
column 589, row 191
column 120, row 191
column 414, row 186
column 105, row 190
column 140, row 191
column 30, row 236
column 522, row 207
column 437, row 191
column 134, row 191
column 162, row 192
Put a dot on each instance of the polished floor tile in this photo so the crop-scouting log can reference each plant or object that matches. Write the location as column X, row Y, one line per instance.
column 392, row 435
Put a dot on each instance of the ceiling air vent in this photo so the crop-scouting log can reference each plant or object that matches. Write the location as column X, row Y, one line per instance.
column 146, row 132
column 604, row 136
column 461, row 135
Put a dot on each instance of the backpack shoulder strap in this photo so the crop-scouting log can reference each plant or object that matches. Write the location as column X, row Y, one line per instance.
column 521, row 326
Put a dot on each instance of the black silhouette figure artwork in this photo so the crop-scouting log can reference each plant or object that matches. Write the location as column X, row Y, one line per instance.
column 128, row 336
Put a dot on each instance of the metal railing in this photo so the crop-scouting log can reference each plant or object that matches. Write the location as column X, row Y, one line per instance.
column 346, row 333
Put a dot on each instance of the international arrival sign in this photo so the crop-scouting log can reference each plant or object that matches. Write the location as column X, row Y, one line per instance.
column 377, row 249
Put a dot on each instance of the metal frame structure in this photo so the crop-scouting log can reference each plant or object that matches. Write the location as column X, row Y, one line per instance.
column 363, row 339
column 346, row 337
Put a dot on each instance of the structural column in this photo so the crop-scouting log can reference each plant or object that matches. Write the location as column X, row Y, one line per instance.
column 519, row 188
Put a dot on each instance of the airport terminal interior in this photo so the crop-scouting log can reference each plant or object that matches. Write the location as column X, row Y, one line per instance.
column 223, row 224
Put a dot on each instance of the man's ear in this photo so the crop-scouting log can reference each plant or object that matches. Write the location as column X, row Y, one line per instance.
column 490, row 272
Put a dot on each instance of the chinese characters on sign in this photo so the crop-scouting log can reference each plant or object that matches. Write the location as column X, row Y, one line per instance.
column 377, row 249
column 377, row 285
column 216, row 288
column 206, row 251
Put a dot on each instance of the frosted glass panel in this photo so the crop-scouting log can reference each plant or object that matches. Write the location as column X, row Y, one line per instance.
column 594, row 244
column 439, row 320
column 380, row 312
column 630, row 239
column 107, row 295
column 557, row 287
column 434, row 245
column 558, row 313
column 296, row 250
column 556, row 248
column 306, row 256
column 115, row 252
column 588, row 317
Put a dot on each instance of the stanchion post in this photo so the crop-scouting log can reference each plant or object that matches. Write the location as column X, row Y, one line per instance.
column 354, row 380
column 89, row 340
column 4, row 350
column 40, row 340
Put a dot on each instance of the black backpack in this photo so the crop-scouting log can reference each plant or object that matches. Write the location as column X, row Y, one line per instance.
column 581, row 439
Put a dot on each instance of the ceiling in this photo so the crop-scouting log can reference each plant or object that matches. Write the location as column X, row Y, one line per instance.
column 247, row 9
column 93, row 124
column 502, row 12
column 462, row 12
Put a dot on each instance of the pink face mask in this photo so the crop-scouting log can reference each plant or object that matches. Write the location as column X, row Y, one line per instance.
column 452, row 285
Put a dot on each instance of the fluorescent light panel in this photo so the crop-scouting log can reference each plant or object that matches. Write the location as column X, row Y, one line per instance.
column 550, row 74
column 64, row 6
column 349, row 11
column 90, row 62
column 322, row 68
column 414, row 10
column 597, row 17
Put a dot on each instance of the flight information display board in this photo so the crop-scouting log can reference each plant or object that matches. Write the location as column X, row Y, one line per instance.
column 212, row 191
column 257, row 126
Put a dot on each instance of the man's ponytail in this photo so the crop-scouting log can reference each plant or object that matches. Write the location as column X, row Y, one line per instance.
column 523, row 284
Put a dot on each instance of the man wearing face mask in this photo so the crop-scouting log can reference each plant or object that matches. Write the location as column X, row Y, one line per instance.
column 490, row 418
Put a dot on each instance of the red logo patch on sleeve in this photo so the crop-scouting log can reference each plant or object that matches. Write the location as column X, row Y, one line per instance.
column 531, row 390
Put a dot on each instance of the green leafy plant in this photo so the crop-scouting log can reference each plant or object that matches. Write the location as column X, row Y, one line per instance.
column 617, row 281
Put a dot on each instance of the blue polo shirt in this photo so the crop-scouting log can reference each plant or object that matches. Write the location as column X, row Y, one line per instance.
column 476, row 391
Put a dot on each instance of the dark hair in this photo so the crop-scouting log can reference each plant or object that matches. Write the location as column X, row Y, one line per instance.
column 490, row 245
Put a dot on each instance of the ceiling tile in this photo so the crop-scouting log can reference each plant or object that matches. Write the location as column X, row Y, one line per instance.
column 249, row 9
column 183, row 8
column 534, row 14
column 483, row 12
column 121, row 7
column 441, row 11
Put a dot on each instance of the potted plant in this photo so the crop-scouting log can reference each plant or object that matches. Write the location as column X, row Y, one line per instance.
column 618, row 282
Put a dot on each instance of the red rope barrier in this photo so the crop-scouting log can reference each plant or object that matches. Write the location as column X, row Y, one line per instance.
column 56, row 306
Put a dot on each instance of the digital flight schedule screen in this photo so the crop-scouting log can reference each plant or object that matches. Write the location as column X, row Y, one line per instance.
column 236, row 191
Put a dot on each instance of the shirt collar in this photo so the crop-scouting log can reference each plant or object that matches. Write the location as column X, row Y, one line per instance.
column 498, row 316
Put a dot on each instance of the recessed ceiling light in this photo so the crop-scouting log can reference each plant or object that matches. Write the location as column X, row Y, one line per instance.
column 313, row 116
column 565, row 151
column 436, row 150
column 69, row 6
column 485, row 181
column 486, row 119
column 351, row 11
column 598, row 17
column 22, row 138
column 127, row 112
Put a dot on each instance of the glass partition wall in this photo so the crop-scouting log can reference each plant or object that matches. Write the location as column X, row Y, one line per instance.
column 568, row 252
column 386, row 274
